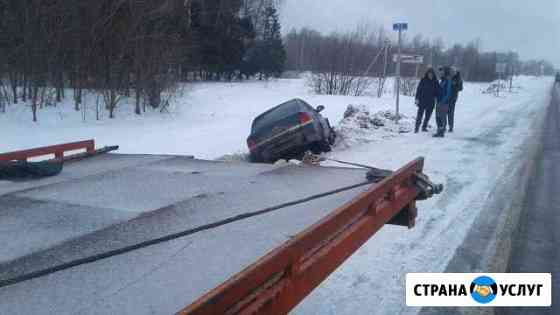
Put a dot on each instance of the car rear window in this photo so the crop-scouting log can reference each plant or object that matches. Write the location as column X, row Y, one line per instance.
column 282, row 111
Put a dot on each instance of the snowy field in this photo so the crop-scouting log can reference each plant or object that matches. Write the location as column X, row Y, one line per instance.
column 210, row 120
column 207, row 120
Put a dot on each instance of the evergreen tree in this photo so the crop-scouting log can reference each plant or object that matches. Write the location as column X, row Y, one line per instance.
column 269, row 54
column 220, row 38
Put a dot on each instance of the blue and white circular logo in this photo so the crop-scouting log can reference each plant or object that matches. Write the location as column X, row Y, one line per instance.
column 484, row 289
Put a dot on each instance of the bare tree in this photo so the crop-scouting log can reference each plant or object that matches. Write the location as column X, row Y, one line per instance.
column 46, row 46
column 345, row 63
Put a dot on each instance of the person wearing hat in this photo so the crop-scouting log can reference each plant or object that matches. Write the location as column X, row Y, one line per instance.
column 445, row 95
column 426, row 97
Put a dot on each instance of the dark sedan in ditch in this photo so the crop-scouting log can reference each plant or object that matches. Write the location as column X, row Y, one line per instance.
column 289, row 130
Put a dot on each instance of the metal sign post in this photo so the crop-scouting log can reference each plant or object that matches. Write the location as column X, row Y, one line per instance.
column 399, row 27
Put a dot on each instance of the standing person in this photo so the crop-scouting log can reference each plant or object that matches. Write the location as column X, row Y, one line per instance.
column 443, row 101
column 426, row 97
column 457, row 86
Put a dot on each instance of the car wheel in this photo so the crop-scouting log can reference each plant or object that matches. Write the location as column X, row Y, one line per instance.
column 315, row 148
column 326, row 146
column 332, row 137
column 320, row 147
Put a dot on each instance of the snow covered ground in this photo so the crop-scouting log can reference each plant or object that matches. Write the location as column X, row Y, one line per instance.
column 211, row 120
column 207, row 120
column 489, row 135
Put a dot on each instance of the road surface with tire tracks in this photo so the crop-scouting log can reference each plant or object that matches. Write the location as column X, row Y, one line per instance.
column 537, row 244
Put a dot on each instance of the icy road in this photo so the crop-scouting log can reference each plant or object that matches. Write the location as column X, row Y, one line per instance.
column 492, row 136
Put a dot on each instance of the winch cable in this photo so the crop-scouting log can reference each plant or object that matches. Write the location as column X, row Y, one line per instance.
column 427, row 188
column 170, row 237
column 355, row 164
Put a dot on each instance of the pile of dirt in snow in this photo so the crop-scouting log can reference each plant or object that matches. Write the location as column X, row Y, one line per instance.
column 360, row 125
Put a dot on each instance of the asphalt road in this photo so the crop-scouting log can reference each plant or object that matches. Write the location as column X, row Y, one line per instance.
column 537, row 244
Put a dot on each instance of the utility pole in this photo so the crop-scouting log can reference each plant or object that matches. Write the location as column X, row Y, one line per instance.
column 399, row 75
column 399, row 27
column 510, row 76
column 382, row 83
column 500, row 70
column 301, row 54
column 432, row 62
column 499, row 83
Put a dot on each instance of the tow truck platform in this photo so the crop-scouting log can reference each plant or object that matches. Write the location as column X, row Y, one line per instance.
column 113, row 200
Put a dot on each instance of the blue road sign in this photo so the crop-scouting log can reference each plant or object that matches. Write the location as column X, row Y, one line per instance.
column 400, row 26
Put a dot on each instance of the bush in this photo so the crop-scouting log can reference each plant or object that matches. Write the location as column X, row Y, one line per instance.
column 337, row 83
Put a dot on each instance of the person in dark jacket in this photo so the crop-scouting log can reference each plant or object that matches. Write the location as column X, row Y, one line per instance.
column 446, row 91
column 456, row 87
column 426, row 97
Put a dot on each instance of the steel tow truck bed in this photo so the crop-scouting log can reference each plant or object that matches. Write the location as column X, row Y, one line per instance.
column 110, row 201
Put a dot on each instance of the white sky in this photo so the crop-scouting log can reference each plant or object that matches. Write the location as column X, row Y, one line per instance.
column 532, row 28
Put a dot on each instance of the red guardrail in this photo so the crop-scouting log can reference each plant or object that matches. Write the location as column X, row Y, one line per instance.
column 57, row 150
column 279, row 281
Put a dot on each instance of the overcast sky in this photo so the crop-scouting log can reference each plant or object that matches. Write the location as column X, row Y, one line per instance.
column 531, row 28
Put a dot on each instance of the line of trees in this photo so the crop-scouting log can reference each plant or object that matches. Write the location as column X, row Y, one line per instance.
column 343, row 62
column 131, row 48
column 234, row 40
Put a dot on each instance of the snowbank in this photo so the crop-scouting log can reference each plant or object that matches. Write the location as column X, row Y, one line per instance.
column 359, row 125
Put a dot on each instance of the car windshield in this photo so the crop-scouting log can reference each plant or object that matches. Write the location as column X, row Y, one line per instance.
column 275, row 114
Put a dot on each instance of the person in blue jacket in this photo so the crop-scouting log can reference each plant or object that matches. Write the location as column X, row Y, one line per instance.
column 457, row 87
column 445, row 97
